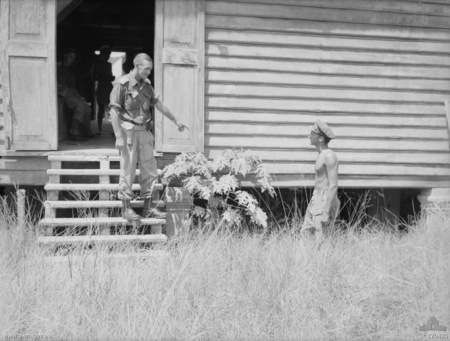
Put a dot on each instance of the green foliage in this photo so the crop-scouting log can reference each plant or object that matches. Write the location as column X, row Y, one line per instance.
column 219, row 181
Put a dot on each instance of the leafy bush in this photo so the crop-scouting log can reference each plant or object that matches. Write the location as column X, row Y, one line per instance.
column 218, row 182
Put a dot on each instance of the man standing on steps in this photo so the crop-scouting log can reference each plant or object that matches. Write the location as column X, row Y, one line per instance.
column 324, row 205
column 130, row 103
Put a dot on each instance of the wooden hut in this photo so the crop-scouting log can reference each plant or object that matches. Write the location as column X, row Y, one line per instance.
column 254, row 74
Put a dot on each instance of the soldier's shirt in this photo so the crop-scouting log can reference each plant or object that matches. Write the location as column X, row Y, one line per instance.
column 135, row 98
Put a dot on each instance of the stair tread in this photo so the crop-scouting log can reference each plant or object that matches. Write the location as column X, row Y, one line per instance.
column 96, row 171
column 96, row 221
column 105, row 155
column 93, row 256
column 145, row 238
column 84, row 158
column 93, row 187
column 97, row 203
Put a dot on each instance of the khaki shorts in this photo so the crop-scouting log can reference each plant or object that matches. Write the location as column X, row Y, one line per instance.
column 313, row 216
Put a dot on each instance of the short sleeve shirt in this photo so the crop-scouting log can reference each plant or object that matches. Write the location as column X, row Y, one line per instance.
column 135, row 98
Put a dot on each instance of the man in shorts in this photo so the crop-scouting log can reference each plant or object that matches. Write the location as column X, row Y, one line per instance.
column 324, row 205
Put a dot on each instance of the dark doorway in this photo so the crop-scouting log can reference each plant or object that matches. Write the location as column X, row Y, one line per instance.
column 125, row 26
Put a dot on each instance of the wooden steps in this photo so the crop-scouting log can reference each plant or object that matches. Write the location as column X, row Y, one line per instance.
column 87, row 178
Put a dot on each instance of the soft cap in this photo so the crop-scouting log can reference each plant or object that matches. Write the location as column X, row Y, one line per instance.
column 322, row 128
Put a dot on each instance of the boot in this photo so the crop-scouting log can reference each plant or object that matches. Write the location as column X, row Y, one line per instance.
column 148, row 212
column 86, row 124
column 128, row 213
column 74, row 132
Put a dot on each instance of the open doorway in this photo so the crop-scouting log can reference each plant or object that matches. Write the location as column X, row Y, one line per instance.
column 127, row 27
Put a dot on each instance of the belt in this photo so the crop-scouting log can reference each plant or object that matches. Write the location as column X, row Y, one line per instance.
column 127, row 118
column 136, row 124
column 123, row 118
column 147, row 124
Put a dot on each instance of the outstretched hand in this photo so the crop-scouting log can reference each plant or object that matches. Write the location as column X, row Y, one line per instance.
column 182, row 127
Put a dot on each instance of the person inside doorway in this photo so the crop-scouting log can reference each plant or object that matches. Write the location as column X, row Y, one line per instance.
column 131, row 100
column 324, row 205
column 103, row 76
column 80, row 127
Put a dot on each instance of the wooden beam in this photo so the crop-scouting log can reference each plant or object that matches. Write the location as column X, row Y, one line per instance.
column 332, row 118
column 291, row 181
column 302, row 131
column 302, row 91
column 347, row 29
column 336, row 81
column 108, row 20
column 96, row 221
column 93, row 187
column 325, row 68
column 96, row 239
column 431, row 7
column 70, row 204
column 336, row 16
column 329, row 41
column 361, row 143
column 92, row 257
column 233, row 102
column 65, row 7
column 347, row 156
column 81, row 172
column 324, row 54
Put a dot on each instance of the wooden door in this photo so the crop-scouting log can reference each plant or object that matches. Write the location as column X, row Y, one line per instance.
column 28, row 73
column 179, row 73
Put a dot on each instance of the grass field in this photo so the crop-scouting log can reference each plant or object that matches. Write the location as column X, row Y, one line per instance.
column 218, row 285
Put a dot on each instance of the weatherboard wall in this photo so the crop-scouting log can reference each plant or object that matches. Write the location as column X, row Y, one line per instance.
column 2, row 119
column 377, row 71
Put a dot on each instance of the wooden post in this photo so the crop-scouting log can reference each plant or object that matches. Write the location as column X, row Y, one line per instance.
column 178, row 204
column 21, row 207
column 423, row 198
column 155, row 229
column 104, row 195
column 50, row 212
column 156, row 196
column 447, row 115
column 434, row 196
column 384, row 205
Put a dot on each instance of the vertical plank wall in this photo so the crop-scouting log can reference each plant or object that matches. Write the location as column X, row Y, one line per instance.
column 2, row 115
column 377, row 71
column 2, row 119
column 2, row 108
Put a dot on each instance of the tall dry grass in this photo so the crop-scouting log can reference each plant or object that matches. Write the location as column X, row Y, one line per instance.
column 219, row 285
